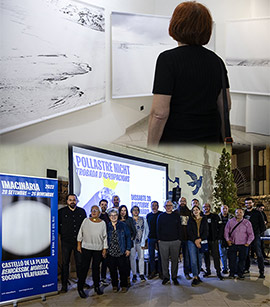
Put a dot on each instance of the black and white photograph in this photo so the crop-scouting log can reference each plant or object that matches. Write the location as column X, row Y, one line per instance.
column 248, row 56
column 32, row 235
column 137, row 41
column 52, row 59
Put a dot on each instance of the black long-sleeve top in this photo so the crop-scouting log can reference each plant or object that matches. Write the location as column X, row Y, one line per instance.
column 192, row 230
column 256, row 219
column 214, row 227
column 152, row 223
column 168, row 227
column 69, row 223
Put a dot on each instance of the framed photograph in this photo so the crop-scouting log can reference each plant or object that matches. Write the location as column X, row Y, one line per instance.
column 52, row 59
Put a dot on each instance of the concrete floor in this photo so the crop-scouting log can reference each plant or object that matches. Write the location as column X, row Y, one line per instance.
column 212, row 292
column 137, row 135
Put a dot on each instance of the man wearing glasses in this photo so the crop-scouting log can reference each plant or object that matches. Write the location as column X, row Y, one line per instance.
column 168, row 235
column 256, row 219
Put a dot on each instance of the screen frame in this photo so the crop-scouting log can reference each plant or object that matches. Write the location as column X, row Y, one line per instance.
column 108, row 152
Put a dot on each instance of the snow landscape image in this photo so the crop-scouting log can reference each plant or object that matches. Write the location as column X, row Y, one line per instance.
column 52, row 59
column 248, row 56
column 137, row 41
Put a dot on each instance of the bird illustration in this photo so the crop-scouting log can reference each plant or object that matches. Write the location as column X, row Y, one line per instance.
column 196, row 182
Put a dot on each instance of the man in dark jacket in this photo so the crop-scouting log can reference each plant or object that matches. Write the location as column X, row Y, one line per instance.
column 258, row 225
column 184, row 214
column 214, row 225
column 70, row 219
column 168, row 235
column 152, row 239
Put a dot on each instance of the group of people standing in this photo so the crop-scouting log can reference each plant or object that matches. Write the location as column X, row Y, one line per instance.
column 113, row 239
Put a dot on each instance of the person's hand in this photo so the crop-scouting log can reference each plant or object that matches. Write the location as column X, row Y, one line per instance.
column 198, row 243
column 229, row 243
column 127, row 253
column 246, row 245
column 79, row 249
column 104, row 253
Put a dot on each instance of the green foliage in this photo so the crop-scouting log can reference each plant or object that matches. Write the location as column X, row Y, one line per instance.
column 225, row 191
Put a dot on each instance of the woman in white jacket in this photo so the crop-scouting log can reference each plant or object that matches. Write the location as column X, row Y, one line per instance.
column 142, row 231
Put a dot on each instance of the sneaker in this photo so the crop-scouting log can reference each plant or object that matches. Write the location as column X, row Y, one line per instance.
column 115, row 289
column 246, row 272
column 152, row 275
column 241, row 277
column 165, row 281
column 142, row 278
column 188, row 277
column 206, row 274
column 175, row 281
column 134, row 278
column 220, row 276
column 124, row 290
column 262, row 276
column 225, row 272
column 104, row 283
column 195, row 282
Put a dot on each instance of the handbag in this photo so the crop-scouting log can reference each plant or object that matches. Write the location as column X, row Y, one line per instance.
column 226, row 116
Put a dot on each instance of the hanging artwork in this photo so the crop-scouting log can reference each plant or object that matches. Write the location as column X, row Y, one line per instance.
column 248, row 56
column 52, row 59
column 137, row 40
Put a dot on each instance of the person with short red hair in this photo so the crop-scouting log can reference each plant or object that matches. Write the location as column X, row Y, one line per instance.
column 187, row 103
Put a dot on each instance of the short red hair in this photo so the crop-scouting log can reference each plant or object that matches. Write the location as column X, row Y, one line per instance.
column 191, row 24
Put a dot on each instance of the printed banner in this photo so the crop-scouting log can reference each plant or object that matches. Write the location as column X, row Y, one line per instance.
column 28, row 236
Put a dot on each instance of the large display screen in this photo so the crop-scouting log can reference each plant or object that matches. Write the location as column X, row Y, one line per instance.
column 97, row 174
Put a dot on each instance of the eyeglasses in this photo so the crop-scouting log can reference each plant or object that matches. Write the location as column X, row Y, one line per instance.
column 113, row 215
column 95, row 210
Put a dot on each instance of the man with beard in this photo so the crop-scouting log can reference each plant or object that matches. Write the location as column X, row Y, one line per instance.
column 256, row 219
column 70, row 219
column 214, row 225
column 184, row 214
column 116, row 201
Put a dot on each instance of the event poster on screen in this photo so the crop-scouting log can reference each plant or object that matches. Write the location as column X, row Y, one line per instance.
column 28, row 236
column 101, row 175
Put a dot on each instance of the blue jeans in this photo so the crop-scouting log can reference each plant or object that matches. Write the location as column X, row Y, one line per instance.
column 237, row 267
column 186, row 266
column 152, row 243
column 195, row 258
column 223, row 251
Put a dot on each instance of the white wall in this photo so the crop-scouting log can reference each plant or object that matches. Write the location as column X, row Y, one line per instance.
column 106, row 122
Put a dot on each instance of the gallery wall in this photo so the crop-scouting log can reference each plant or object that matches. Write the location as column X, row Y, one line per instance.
column 107, row 121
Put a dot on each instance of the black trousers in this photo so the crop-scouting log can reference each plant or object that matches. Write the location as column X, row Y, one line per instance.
column 104, row 265
column 237, row 263
column 87, row 255
column 118, row 264
column 256, row 244
column 67, row 249
column 213, row 250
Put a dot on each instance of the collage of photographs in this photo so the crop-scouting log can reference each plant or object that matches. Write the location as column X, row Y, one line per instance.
column 135, row 153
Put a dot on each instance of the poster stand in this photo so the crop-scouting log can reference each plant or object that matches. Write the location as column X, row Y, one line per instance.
column 28, row 238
